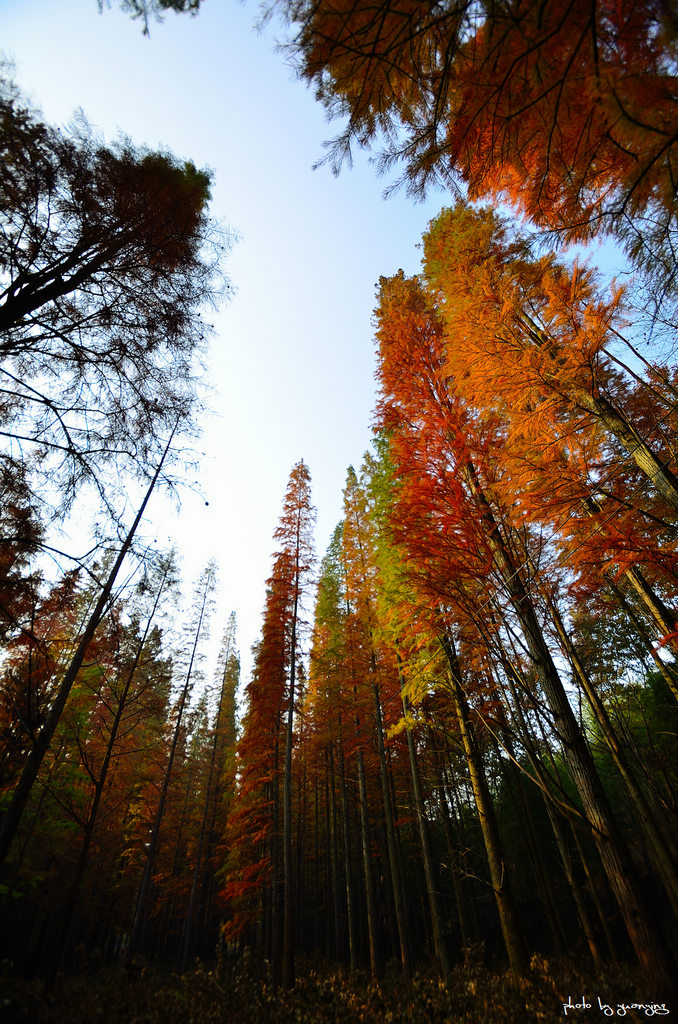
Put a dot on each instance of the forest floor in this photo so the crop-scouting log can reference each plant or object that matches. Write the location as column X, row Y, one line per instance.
column 226, row 994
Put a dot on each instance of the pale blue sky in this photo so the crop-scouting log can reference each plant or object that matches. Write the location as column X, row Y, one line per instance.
column 292, row 360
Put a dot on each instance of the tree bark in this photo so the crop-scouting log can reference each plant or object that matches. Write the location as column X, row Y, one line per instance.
column 346, row 836
column 144, row 889
column 648, row 942
column 616, row 422
column 373, row 938
column 659, row 850
column 391, row 842
column 432, row 883
column 503, row 894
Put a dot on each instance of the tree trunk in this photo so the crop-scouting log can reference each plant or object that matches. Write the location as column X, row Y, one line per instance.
column 647, row 940
column 655, row 469
column 74, row 890
column 391, row 843
column 556, row 827
column 346, row 835
column 430, row 873
column 375, row 950
column 659, row 850
column 22, row 791
column 142, row 899
column 508, row 917
column 668, row 676
column 617, row 423
column 288, row 867
column 339, row 945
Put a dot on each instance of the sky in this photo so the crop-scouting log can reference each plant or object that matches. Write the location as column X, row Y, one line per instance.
column 291, row 364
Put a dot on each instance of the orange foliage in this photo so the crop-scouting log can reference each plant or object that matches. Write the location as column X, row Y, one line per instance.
column 568, row 109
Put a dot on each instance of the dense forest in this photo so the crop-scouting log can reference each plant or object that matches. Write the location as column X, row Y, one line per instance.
column 449, row 788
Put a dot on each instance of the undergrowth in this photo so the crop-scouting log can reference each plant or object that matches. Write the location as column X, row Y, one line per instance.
column 234, row 994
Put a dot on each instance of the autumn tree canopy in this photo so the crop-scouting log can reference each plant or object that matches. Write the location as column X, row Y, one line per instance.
column 568, row 110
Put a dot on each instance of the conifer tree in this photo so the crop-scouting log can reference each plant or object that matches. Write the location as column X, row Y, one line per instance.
column 199, row 619
column 259, row 866
column 108, row 258
column 295, row 536
column 446, row 478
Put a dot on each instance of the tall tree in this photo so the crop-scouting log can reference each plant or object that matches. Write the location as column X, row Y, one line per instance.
column 260, row 881
column 216, row 796
column 585, row 447
column 253, row 868
column 361, row 582
column 295, row 536
column 199, row 619
column 107, row 255
column 419, row 392
column 328, row 701
column 128, row 702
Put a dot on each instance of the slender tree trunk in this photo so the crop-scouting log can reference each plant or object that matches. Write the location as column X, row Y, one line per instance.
column 223, row 744
column 663, row 619
column 142, row 899
column 647, row 940
column 595, row 896
column 453, row 853
column 288, row 873
column 174, row 918
column 323, row 926
column 301, row 930
column 556, row 827
column 22, row 791
column 339, row 932
column 659, row 850
column 654, row 468
column 391, row 843
column 592, row 882
column 432, row 884
column 375, row 951
column 35, row 818
column 74, row 890
column 346, row 836
column 188, row 927
column 668, row 676
column 508, row 917
column 514, row 781
column 277, row 899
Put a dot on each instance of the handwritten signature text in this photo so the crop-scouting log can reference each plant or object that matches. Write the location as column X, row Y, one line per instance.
column 615, row 1009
